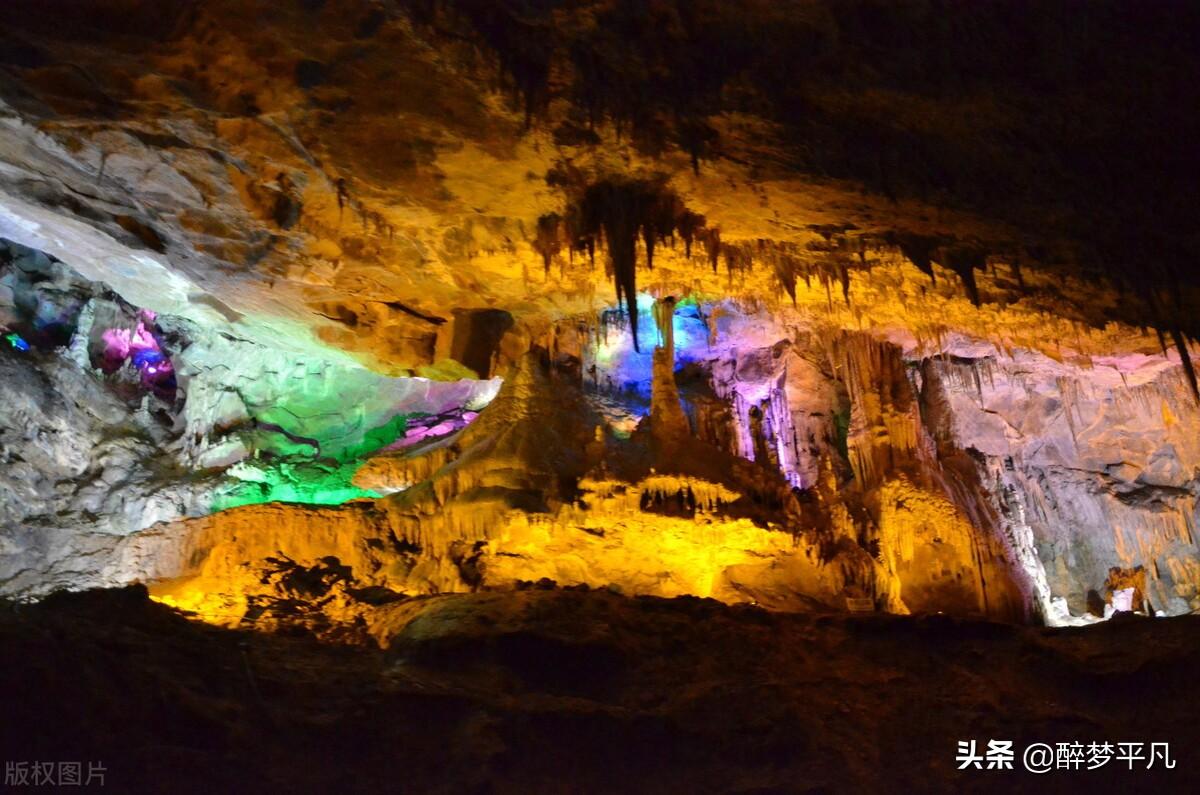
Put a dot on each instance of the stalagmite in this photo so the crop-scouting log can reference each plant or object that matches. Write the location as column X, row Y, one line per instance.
column 275, row 355
column 668, row 422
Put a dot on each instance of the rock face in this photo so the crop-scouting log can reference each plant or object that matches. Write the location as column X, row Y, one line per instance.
column 96, row 445
column 317, row 184
column 260, row 282
column 1094, row 470
column 786, row 465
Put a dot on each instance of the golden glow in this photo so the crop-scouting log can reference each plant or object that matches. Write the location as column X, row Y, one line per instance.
column 612, row 542
column 224, row 606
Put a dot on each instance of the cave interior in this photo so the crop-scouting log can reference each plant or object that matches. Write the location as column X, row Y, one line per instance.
column 597, row 395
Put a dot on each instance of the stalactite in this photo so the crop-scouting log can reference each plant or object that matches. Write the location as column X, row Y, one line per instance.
column 785, row 270
column 548, row 241
column 618, row 212
column 1186, row 359
column 661, row 220
column 649, row 236
column 918, row 249
column 689, row 225
column 712, row 246
column 736, row 259
column 965, row 260
column 617, row 209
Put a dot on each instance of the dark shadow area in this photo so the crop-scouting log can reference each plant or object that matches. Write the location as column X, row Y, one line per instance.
column 484, row 693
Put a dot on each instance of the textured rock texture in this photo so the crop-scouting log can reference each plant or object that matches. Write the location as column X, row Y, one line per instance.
column 325, row 182
column 586, row 692
column 90, row 456
column 789, row 466
column 1096, row 468
column 498, row 396
column 537, row 489
column 905, row 329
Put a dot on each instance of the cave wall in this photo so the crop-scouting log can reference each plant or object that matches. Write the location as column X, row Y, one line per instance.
column 902, row 366
column 820, row 466
column 95, row 444
column 1093, row 469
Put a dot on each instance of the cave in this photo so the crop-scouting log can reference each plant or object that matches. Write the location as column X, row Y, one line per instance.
column 599, row 396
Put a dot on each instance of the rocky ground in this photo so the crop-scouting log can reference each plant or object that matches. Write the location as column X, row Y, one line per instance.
column 584, row 691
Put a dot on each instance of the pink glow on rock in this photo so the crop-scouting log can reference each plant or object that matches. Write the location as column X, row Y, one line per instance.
column 140, row 346
column 121, row 343
column 763, row 419
column 434, row 426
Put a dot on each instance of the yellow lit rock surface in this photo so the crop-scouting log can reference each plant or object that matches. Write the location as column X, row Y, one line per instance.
column 492, row 508
column 897, row 389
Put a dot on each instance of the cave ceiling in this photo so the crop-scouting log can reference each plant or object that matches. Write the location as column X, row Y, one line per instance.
column 351, row 176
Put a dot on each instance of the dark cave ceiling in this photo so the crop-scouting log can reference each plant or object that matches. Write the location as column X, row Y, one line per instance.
column 367, row 169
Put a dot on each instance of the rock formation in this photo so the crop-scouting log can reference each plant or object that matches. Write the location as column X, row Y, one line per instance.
column 800, row 343
column 730, row 396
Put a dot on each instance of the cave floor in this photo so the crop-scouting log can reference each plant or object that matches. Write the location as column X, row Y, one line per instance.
column 577, row 691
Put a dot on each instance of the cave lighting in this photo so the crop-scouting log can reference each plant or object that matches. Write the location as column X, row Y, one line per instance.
column 17, row 341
